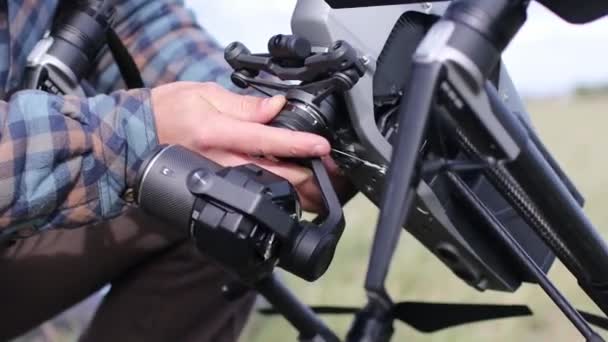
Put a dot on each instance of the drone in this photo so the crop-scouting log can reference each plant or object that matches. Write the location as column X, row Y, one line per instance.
column 414, row 107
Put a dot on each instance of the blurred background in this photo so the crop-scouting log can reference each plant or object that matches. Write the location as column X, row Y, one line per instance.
column 561, row 71
column 548, row 57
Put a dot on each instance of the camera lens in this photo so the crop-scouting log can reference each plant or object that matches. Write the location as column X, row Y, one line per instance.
column 301, row 114
column 79, row 35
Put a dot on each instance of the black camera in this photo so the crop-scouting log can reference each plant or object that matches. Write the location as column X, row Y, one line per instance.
column 61, row 61
column 63, row 58
column 244, row 217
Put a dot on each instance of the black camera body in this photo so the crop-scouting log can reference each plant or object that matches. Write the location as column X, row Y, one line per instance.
column 253, row 250
column 245, row 218
column 172, row 187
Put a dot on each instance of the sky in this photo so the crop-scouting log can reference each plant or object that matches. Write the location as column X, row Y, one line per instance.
column 548, row 57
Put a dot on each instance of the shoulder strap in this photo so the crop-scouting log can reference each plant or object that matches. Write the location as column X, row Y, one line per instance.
column 128, row 69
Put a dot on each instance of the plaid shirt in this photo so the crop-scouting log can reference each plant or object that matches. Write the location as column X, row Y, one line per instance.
column 65, row 162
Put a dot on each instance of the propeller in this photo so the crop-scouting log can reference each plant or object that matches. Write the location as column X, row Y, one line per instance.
column 432, row 317
column 593, row 319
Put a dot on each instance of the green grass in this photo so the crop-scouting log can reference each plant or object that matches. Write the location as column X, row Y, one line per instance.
column 575, row 131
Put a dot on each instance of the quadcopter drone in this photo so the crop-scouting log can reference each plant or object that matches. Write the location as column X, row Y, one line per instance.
column 414, row 107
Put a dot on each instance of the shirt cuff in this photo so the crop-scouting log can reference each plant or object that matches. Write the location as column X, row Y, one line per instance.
column 128, row 136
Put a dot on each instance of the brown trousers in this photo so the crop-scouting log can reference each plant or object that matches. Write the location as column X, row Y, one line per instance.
column 162, row 288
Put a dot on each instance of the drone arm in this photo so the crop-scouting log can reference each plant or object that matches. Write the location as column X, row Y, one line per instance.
column 566, row 219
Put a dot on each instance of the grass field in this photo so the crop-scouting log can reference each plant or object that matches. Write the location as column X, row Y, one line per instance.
column 575, row 131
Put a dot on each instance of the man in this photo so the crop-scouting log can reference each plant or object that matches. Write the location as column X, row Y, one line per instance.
column 67, row 162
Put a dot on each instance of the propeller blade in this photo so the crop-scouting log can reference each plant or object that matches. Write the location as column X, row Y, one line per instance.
column 322, row 310
column 430, row 317
column 598, row 321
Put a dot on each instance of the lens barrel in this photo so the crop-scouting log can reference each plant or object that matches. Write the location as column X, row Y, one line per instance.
column 79, row 35
column 302, row 115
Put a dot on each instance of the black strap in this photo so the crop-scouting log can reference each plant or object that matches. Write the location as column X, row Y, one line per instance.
column 126, row 65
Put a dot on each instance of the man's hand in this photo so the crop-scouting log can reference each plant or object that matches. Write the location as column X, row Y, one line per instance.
column 229, row 128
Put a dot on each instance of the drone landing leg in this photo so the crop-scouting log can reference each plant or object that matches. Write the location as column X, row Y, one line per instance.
column 310, row 327
column 375, row 322
column 471, row 199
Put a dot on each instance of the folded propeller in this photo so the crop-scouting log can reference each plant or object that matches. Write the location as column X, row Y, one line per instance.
column 431, row 317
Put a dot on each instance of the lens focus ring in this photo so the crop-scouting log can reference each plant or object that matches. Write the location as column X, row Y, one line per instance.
column 301, row 114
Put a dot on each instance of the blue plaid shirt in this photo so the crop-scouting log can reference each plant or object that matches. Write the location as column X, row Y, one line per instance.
column 66, row 162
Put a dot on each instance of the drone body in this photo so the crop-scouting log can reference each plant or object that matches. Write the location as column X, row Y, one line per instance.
column 424, row 119
column 366, row 127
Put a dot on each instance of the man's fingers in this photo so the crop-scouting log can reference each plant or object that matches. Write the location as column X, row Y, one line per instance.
column 296, row 175
column 254, row 109
column 242, row 107
column 301, row 178
column 257, row 139
column 311, row 197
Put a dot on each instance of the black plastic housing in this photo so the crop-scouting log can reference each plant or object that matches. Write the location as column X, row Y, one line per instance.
column 246, row 208
column 469, row 249
column 578, row 12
